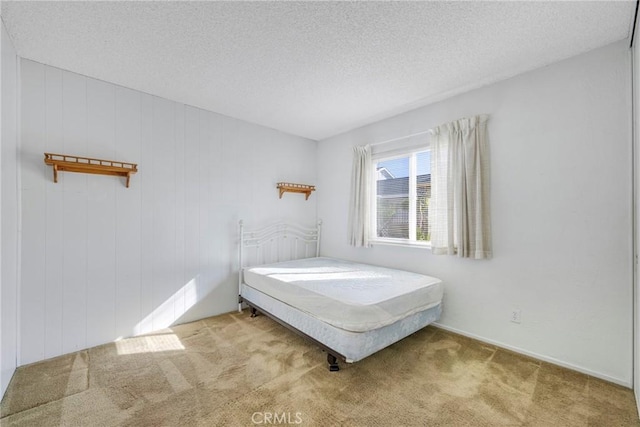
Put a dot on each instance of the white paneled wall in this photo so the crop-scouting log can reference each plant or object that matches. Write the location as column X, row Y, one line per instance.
column 101, row 261
column 9, row 213
column 636, row 176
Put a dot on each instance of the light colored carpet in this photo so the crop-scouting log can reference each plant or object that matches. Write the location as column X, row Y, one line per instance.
column 232, row 370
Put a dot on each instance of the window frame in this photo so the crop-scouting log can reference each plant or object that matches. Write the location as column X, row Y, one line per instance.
column 376, row 158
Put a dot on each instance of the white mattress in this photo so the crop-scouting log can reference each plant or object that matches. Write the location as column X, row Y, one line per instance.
column 354, row 346
column 350, row 296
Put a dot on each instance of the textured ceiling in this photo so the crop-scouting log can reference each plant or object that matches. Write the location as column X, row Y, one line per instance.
column 313, row 69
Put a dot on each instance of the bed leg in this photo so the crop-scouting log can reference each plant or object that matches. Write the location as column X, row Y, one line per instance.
column 333, row 362
column 254, row 312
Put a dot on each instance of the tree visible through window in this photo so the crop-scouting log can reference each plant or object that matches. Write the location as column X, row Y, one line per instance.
column 402, row 194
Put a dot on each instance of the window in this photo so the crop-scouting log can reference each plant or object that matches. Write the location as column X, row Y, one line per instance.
column 401, row 200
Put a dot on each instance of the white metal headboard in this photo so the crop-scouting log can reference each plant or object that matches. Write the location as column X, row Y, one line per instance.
column 275, row 243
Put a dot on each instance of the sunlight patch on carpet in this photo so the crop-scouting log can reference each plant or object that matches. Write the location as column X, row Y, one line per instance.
column 149, row 344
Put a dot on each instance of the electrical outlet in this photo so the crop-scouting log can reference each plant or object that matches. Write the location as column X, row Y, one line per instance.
column 516, row 315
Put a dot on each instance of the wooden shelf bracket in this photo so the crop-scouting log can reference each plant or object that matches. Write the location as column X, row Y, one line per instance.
column 66, row 163
column 285, row 187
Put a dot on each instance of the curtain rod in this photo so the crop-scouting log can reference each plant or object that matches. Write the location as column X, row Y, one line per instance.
column 428, row 130
column 399, row 138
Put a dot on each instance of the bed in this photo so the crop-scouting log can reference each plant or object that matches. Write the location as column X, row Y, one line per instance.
column 350, row 310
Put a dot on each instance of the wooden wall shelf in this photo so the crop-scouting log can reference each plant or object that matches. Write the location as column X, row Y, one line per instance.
column 285, row 187
column 65, row 163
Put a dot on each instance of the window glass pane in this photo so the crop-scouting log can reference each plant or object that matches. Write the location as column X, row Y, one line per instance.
column 392, row 198
column 423, row 188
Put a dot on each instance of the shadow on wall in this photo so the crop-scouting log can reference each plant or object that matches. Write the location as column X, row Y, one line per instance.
column 213, row 291
column 192, row 301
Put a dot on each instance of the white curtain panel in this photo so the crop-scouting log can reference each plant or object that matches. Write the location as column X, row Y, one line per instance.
column 459, row 211
column 360, row 202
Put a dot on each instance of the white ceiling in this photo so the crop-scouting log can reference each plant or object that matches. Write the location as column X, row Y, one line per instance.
column 313, row 69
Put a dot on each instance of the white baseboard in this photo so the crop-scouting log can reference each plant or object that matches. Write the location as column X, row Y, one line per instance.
column 624, row 383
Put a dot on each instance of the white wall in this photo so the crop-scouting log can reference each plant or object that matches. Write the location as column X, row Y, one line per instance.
column 101, row 261
column 636, row 171
column 561, row 201
column 9, row 213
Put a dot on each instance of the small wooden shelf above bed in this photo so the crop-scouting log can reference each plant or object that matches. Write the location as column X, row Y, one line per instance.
column 66, row 163
column 285, row 187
